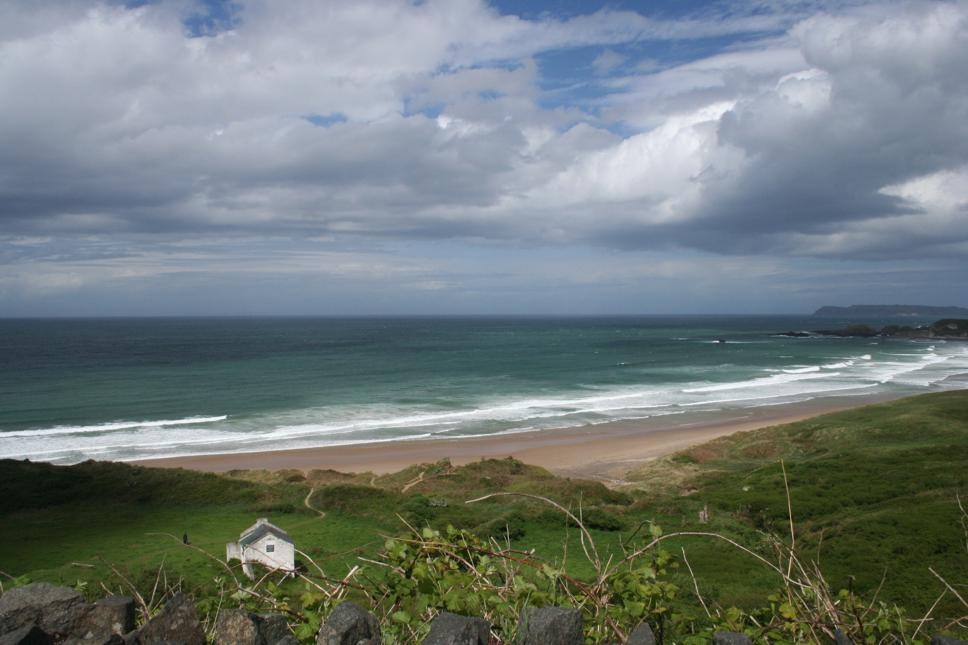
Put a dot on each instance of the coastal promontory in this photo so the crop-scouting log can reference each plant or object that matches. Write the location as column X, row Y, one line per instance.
column 891, row 311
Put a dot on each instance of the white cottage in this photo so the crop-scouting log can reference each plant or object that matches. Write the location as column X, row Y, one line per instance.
column 265, row 543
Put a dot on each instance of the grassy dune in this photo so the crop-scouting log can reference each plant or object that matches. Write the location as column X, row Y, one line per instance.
column 874, row 494
column 874, row 491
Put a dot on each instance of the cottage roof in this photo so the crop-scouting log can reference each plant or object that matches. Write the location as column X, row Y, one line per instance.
column 261, row 528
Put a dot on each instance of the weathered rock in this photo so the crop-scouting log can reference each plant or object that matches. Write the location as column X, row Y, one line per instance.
column 349, row 624
column 275, row 629
column 946, row 640
column 641, row 635
column 177, row 623
column 239, row 627
column 236, row 627
column 29, row 635
column 113, row 639
column 109, row 616
column 550, row 626
column 731, row 638
column 54, row 609
column 131, row 638
column 452, row 629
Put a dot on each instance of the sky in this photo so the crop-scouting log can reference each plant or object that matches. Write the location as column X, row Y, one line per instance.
column 401, row 157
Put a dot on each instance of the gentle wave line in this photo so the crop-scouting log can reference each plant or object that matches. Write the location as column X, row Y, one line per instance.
column 112, row 427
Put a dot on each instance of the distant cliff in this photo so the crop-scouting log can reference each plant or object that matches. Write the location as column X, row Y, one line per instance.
column 890, row 311
column 947, row 329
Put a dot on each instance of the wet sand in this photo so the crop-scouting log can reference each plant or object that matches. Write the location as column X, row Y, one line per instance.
column 605, row 451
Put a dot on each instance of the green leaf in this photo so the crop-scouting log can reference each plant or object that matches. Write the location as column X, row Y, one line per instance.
column 634, row 608
column 550, row 571
column 788, row 611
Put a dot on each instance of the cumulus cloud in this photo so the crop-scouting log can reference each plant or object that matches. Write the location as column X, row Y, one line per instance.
column 804, row 158
column 879, row 106
column 818, row 129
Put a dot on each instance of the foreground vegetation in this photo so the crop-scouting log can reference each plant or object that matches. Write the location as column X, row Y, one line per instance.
column 851, row 521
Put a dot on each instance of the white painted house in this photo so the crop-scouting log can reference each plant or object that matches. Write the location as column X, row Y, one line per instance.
column 265, row 543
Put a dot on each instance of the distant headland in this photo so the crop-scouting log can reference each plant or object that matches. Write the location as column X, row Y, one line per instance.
column 891, row 311
column 945, row 329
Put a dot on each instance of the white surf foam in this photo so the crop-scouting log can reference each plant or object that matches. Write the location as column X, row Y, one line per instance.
column 802, row 370
column 837, row 366
column 905, row 368
column 112, row 427
column 765, row 381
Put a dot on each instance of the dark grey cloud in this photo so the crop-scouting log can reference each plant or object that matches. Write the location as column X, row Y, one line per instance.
column 833, row 130
column 898, row 100
column 815, row 162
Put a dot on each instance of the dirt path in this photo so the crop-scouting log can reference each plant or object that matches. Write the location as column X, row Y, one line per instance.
column 310, row 506
column 416, row 480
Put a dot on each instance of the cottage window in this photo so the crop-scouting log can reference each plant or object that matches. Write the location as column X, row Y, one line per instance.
column 270, row 548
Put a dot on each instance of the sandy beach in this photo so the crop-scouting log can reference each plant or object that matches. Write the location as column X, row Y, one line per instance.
column 605, row 451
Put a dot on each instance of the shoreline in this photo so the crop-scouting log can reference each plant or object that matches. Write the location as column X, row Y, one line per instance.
column 605, row 451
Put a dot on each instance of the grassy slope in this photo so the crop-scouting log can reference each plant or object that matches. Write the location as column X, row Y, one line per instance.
column 96, row 522
column 878, row 484
column 874, row 491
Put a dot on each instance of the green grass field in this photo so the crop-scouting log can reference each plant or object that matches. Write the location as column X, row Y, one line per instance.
column 874, row 494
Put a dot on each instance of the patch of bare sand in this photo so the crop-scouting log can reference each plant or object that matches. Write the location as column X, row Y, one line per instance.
column 605, row 452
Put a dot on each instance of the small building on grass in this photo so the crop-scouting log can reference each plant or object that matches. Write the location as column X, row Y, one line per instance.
column 265, row 543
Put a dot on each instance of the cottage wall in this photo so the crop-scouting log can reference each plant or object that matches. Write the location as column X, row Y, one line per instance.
column 272, row 552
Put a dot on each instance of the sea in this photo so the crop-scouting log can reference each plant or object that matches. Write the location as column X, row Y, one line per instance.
column 128, row 389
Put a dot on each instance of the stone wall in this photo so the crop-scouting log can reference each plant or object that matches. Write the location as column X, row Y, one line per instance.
column 42, row 614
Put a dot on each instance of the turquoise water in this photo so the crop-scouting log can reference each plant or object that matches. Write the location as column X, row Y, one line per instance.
column 134, row 388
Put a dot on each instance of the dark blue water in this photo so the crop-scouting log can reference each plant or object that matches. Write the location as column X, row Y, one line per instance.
column 130, row 388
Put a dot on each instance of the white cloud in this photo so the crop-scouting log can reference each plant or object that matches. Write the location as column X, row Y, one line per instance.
column 830, row 134
column 647, row 99
column 607, row 61
column 661, row 168
column 945, row 191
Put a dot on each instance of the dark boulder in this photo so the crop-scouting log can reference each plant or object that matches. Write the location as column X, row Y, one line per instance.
column 275, row 629
column 29, row 635
column 111, row 616
column 54, row 609
column 349, row 624
column 642, row 635
column 550, row 626
column 239, row 627
column 176, row 623
column 452, row 629
column 236, row 627
column 113, row 639
column 946, row 640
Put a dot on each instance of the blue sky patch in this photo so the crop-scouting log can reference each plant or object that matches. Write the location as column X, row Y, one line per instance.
column 325, row 120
